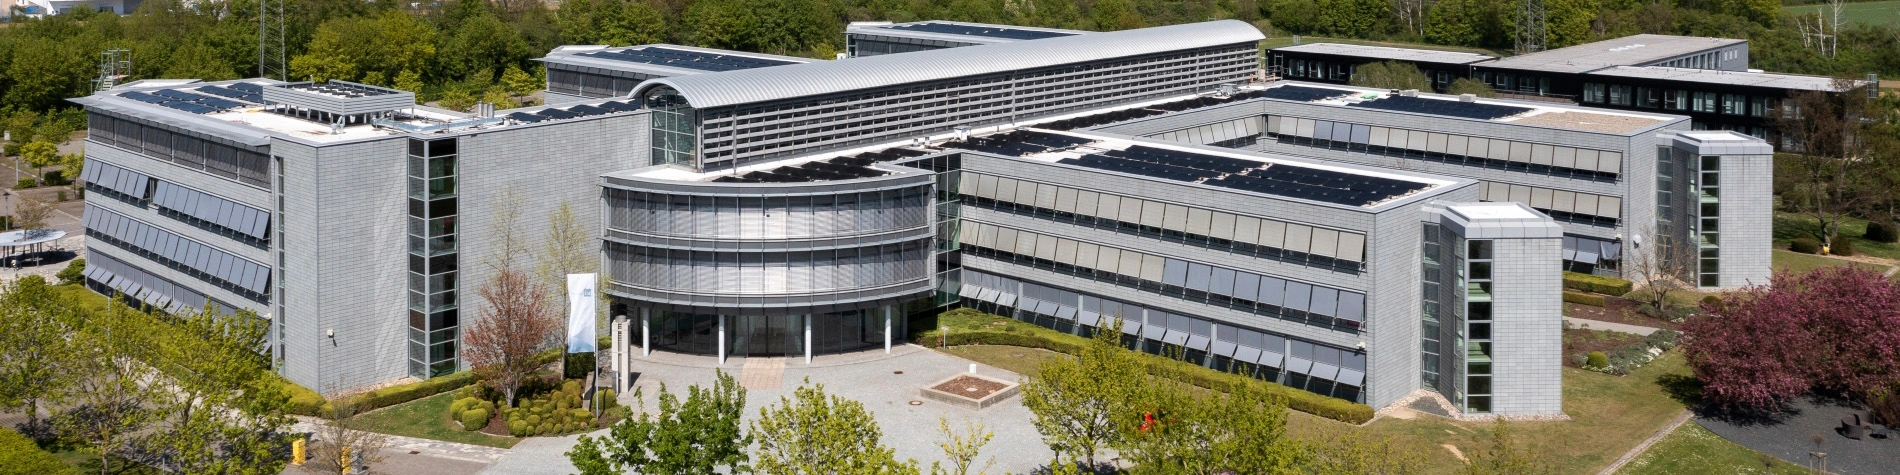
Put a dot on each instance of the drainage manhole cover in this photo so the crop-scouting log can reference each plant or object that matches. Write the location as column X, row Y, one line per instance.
column 897, row 372
column 916, row 403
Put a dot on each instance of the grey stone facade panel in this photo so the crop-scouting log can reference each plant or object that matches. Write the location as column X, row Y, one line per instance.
column 1527, row 333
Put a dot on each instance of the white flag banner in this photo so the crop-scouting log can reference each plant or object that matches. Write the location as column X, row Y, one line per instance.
column 580, row 313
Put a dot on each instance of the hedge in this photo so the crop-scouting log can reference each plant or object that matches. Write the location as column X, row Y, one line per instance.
column 1038, row 337
column 1596, row 284
column 305, row 402
column 1583, row 298
column 19, row 455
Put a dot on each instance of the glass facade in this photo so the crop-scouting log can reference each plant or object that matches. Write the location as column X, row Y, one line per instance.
column 1710, row 209
column 433, row 304
column 1432, row 274
column 674, row 137
column 1477, row 322
column 774, row 335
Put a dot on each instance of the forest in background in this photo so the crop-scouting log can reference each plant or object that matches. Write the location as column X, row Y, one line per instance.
column 467, row 48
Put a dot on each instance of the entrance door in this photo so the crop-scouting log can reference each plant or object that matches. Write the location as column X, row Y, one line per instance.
column 767, row 336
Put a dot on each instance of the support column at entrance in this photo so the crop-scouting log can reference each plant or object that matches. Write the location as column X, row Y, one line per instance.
column 646, row 335
column 887, row 328
column 722, row 339
column 808, row 341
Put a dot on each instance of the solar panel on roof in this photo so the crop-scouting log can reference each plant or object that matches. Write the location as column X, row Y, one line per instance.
column 526, row 117
column 556, row 114
column 191, row 107
column 983, row 31
column 143, row 97
column 620, row 106
column 699, row 60
column 248, row 87
column 587, row 110
column 222, row 91
column 1468, row 110
column 1302, row 93
column 178, row 95
column 221, row 103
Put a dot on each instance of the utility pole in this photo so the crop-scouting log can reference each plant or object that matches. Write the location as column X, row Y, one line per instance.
column 271, row 62
column 1532, row 35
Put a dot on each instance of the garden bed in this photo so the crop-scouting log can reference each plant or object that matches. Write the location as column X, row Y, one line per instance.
column 1618, row 310
column 1622, row 352
column 970, row 391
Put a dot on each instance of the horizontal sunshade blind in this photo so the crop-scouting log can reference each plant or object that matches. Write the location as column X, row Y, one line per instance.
column 1593, row 161
column 1546, row 199
column 138, row 284
column 206, row 261
column 213, row 209
column 115, row 178
column 1293, row 295
column 1336, row 244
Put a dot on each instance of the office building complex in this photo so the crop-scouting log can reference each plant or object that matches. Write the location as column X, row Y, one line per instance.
column 872, row 38
column 1706, row 79
column 1360, row 244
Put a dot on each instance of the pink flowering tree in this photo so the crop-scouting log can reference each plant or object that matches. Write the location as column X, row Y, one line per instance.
column 1835, row 329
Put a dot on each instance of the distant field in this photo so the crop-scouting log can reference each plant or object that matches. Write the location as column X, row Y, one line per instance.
column 1881, row 13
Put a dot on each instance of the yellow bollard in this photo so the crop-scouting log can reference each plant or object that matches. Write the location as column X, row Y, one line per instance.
column 345, row 461
column 297, row 451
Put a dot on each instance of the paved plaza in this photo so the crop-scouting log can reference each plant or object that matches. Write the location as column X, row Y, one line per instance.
column 868, row 377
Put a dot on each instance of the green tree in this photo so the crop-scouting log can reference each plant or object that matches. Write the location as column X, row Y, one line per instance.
column 1183, row 431
column 46, row 70
column 220, row 408
column 1471, row 86
column 1569, row 22
column 1454, row 22
column 611, row 22
column 1503, row 454
column 70, row 166
column 37, row 351
column 962, row 447
column 484, row 44
column 410, row 80
column 39, row 155
column 1077, row 401
column 456, row 99
column 1354, row 18
column 199, row 60
column 502, row 100
column 1390, row 75
column 814, row 433
column 1111, row 15
column 519, row 82
column 699, row 436
column 108, row 405
column 348, row 48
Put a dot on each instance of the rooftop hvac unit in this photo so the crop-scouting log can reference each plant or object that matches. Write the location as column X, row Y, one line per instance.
column 1227, row 90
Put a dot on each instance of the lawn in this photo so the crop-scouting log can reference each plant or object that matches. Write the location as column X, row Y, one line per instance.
column 1609, row 414
column 428, row 418
column 1872, row 13
column 1802, row 263
column 1793, row 225
column 1693, row 449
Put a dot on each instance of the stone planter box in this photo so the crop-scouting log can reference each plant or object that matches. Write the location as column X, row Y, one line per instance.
column 966, row 400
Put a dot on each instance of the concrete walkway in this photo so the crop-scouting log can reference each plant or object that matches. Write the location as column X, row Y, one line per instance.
column 887, row 385
column 1611, row 326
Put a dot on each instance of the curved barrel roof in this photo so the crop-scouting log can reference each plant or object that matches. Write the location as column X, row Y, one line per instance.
column 825, row 77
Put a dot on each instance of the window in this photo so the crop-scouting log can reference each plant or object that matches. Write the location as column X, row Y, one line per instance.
column 1620, row 95
column 1593, row 93
column 1734, row 104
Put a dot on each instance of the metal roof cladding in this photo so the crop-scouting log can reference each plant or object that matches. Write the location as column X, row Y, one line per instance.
column 826, row 77
column 1635, row 50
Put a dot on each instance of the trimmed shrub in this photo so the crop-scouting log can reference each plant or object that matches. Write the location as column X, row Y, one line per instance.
column 18, row 454
column 62, row 195
column 1583, row 298
column 26, row 182
column 475, row 419
column 604, row 399
column 1663, row 339
column 1842, row 246
column 394, row 395
column 74, row 271
column 1597, row 359
column 1596, row 284
column 518, row 428
column 1881, row 232
column 578, row 365
column 303, row 401
column 55, row 178
column 1805, row 245
column 1580, row 359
